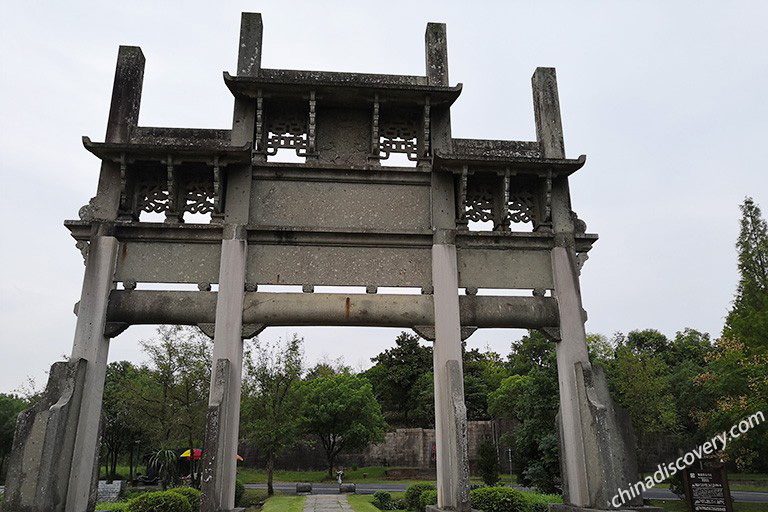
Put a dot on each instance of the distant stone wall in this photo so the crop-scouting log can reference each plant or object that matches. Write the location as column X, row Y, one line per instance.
column 404, row 447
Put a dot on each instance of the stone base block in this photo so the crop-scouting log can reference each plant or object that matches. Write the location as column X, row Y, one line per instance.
column 347, row 488
column 572, row 508
column 303, row 488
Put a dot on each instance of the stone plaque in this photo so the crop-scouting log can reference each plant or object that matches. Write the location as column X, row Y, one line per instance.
column 706, row 490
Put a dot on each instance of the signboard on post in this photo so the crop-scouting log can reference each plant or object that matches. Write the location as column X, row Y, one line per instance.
column 706, row 490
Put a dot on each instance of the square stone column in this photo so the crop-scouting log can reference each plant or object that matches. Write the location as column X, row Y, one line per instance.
column 92, row 345
column 222, row 428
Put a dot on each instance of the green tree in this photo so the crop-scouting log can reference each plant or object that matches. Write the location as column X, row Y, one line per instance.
column 488, row 463
column 531, row 397
column 748, row 319
column 121, row 426
column 10, row 407
column 342, row 412
column 395, row 375
column 271, row 398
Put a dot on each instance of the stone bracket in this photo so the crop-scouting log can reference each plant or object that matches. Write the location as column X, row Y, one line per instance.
column 428, row 331
column 248, row 331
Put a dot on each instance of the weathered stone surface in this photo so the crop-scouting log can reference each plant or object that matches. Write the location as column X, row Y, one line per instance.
column 347, row 488
column 43, row 445
column 215, row 436
column 303, row 488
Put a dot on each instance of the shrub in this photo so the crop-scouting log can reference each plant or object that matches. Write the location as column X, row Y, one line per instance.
column 253, row 498
column 428, row 497
column 239, row 491
column 382, row 500
column 193, row 495
column 488, row 463
column 413, row 493
column 540, row 502
column 160, row 501
column 498, row 499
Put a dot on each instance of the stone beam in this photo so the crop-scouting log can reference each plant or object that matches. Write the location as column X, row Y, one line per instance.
column 139, row 307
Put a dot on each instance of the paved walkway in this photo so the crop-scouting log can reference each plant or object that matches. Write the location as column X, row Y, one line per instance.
column 327, row 503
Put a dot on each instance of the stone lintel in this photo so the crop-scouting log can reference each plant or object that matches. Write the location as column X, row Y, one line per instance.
column 138, row 307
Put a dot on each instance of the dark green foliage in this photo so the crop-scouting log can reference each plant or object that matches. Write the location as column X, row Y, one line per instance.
column 10, row 407
column 413, row 493
column 382, row 500
column 498, row 499
column 427, row 498
column 395, row 377
column 747, row 322
column 540, row 502
column 161, row 501
column 488, row 463
column 253, row 498
column 531, row 397
column 270, row 400
column 239, row 492
column 166, row 463
column 193, row 495
column 341, row 411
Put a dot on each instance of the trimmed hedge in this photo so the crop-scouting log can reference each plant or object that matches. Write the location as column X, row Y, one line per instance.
column 160, row 501
column 193, row 495
column 540, row 502
column 413, row 493
column 498, row 499
column 428, row 497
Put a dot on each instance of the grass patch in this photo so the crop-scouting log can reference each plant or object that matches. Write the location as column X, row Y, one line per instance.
column 284, row 504
column 116, row 505
column 681, row 506
column 362, row 503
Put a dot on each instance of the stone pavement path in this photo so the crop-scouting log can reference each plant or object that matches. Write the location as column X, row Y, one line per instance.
column 327, row 503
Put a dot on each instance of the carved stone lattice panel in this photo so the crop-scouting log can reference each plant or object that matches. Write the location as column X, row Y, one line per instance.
column 479, row 202
column 398, row 133
column 150, row 190
column 287, row 128
column 521, row 207
column 197, row 189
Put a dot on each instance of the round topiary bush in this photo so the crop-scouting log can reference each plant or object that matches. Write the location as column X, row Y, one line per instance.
column 427, row 498
column 498, row 499
column 413, row 493
column 382, row 500
column 193, row 495
column 161, row 501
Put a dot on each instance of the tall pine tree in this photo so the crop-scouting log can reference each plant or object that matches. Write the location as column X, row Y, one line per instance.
column 747, row 322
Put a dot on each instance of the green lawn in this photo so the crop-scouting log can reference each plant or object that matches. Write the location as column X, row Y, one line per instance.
column 284, row 504
column 362, row 503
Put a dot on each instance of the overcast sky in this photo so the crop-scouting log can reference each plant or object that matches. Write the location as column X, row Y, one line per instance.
column 666, row 99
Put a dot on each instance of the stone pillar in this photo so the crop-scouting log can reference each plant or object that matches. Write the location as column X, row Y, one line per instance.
column 450, row 410
column 596, row 441
column 222, row 429
column 92, row 345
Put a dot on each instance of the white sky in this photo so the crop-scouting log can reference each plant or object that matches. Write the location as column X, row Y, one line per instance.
column 667, row 99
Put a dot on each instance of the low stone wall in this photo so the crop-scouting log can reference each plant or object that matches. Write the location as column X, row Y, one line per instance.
column 403, row 447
